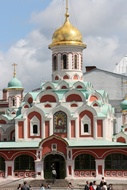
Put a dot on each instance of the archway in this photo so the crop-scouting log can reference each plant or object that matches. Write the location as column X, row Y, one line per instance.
column 59, row 164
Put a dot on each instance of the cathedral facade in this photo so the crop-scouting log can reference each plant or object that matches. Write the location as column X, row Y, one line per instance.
column 66, row 122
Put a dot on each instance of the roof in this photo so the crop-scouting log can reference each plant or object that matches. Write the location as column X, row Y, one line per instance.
column 73, row 143
column 15, row 145
column 108, row 72
column 14, row 83
column 93, row 143
column 121, row 67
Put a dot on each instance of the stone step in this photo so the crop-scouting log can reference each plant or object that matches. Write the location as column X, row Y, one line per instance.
column 58, row 185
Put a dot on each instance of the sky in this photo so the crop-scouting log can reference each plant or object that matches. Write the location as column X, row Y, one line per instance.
column 27, row 27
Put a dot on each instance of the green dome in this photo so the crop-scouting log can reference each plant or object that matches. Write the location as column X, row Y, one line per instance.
column 124, row 105
column 14, row 83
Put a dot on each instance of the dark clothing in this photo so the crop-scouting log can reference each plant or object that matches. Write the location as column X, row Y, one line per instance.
column 101, row 183
column 86, row 187
column 25, row 187
column 54, row 175
column 98, row 188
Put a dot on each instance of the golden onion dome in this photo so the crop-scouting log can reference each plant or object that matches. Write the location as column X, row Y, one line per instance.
column 67, row 35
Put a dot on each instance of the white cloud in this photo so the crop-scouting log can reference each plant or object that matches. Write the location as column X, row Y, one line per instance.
column 101, row 22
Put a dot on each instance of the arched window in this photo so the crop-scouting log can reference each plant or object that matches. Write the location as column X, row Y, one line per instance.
column 60, row 122
column 64, row 58
column 85, row 125
column 54, row 62
column 2, row 164
column 24, row 162
column 13, row 102
column 35, row 129
column 116, row 162
column 86, row 128
column 34, row 126
column 85, row 161
column 75, row 62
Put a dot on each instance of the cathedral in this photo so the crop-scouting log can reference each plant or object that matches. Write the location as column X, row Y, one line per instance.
column 66, row 122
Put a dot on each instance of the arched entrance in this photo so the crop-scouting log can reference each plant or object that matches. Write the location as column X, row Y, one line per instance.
column 59, row 164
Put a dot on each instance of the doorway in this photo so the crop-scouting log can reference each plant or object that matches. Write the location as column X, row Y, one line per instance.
column 59, row 164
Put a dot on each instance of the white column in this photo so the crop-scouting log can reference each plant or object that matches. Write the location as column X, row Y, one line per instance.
column 77, row 128
column 51, row 126
column 25, row 129
column 68, row 128
column 7, row 165
column 16, row 129
column 39, row 169
column 43, row 128
column 59, row 62
column 69, row 163
column 95, row 128
column 99, row 163
column 104, row 128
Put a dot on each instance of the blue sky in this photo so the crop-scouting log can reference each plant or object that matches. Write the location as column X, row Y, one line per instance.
column 15, row 19
column 27, row 27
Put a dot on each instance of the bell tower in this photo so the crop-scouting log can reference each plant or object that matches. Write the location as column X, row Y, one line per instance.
column 14, row 91
column 67, row 57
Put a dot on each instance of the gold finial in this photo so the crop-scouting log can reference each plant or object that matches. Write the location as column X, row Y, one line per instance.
column 14, row 65
column 66, row 14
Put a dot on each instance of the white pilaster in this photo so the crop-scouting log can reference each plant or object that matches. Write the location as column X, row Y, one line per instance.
column 95, row 128
column 101, row 164
column 7, row 165
column 39, row 169
column 77, row 128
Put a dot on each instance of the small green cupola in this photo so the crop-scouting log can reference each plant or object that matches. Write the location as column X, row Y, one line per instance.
column 123, row 104
column 14, row 83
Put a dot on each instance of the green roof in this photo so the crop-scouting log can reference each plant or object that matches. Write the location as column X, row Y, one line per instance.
column 14, row 83
column 60, row 93
column 34, row 94
column 73, row 143
column 23, row 144
column 8, row 117
column 93, row 143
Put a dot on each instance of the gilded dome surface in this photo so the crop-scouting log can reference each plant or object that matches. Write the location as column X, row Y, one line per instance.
column 67, row 35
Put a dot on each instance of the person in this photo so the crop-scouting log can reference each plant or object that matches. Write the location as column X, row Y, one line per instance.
column 42, row 187
column 69, row 185
column 54, row 175
column 30, row 187
column 98, row 187
column 19, row 187
column 52, row 165
column 48, row 186
column 102, row 182
column 94, row 185
column 110, row 187
column 91, row 186
column 86, row 186
column 104, row 187
column 25, row 186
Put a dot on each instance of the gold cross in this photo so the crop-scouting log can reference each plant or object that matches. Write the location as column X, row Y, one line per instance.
column 14, row 65
column 67, row 14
